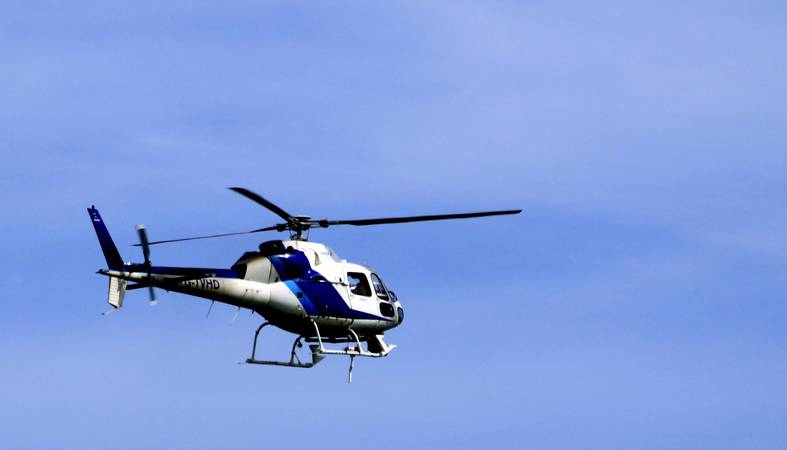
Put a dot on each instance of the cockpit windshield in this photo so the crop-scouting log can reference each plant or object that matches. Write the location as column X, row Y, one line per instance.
column 379, row 287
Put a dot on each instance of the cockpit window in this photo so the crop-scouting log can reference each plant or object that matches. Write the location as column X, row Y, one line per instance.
column 379, row 287
column 359, row 285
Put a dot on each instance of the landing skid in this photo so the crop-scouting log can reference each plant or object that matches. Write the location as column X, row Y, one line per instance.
column 318, row 350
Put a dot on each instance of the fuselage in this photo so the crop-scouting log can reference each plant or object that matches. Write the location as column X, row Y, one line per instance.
column 292, row 284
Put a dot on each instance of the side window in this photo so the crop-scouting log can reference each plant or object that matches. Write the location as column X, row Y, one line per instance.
column 379, row 287
column 240, row 269
column 359, row 285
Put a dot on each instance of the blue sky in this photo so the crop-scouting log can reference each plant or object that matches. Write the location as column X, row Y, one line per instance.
column 638, row 302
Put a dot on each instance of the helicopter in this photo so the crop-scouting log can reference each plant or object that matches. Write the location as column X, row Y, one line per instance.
column 296, row 285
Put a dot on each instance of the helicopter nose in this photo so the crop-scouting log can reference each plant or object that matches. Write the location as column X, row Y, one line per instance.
column 399, row 315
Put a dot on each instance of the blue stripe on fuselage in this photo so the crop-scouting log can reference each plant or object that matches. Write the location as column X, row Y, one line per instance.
column 305, row 300
column 321, row 297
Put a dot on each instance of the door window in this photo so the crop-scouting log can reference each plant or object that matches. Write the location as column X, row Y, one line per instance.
column 359, row 285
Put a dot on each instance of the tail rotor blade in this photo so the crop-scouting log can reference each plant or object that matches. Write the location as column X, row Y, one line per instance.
column 151, row 292
column 145, row 244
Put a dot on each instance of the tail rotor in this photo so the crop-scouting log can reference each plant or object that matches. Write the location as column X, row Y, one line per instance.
column 144, row 243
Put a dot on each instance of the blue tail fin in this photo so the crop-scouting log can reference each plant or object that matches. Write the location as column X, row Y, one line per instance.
column 114, row 261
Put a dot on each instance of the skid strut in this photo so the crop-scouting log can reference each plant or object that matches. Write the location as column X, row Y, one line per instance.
column 294, row 360
column 319, row 351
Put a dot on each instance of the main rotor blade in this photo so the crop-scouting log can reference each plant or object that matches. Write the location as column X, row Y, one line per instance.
column 385, row 220
column 273, row 228
column 363, row 222
column 266, row 203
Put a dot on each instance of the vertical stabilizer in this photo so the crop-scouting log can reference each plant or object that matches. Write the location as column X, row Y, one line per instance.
column 114, row 261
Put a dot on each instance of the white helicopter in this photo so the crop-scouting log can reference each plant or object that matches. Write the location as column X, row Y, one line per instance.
column 299, row 286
